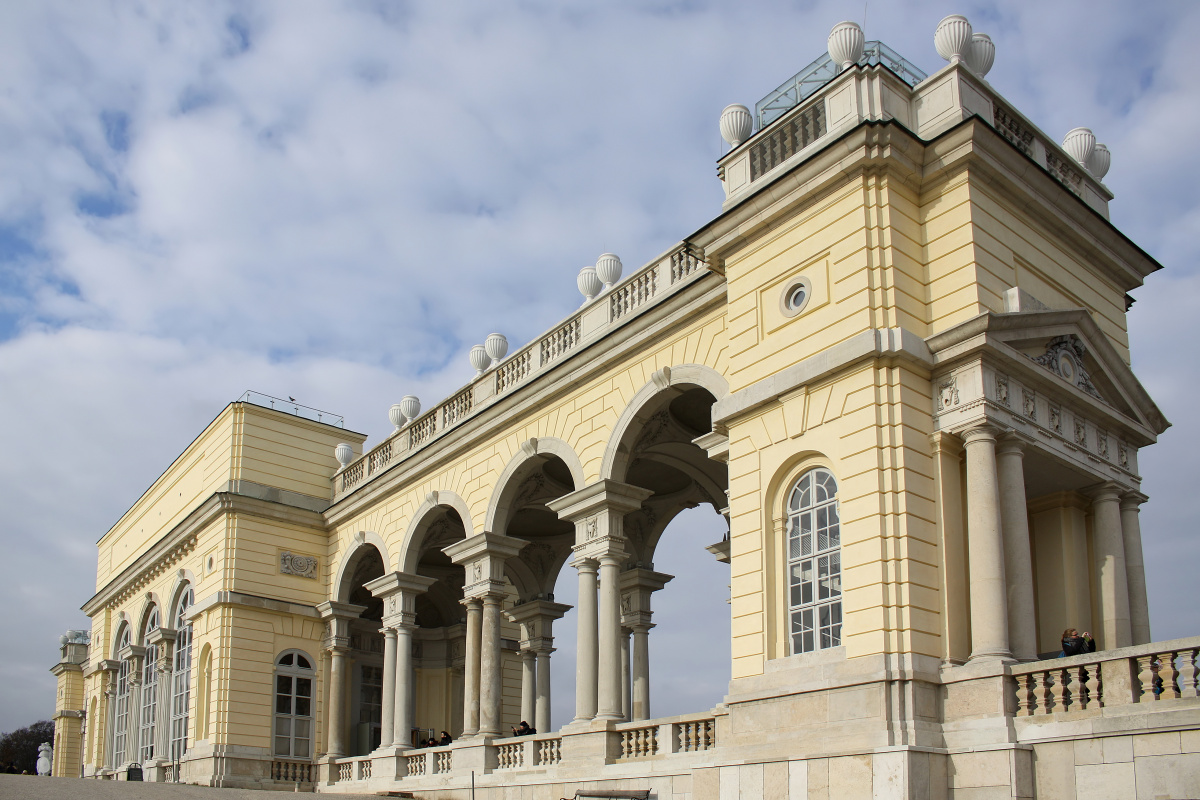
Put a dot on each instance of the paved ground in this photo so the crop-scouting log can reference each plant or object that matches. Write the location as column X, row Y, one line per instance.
column 28, row 787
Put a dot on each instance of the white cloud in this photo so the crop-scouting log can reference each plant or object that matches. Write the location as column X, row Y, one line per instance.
column 338, row 210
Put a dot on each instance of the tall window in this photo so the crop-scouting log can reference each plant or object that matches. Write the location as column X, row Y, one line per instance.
column 370, row 712
column 814, row 563
column 293, row 706
column 121, row 705
column 181, row 676
column 149, row 690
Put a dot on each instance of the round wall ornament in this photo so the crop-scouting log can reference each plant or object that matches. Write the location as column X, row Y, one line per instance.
column 795, row 296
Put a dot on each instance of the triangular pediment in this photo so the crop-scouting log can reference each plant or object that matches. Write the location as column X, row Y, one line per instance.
column 1070, row 349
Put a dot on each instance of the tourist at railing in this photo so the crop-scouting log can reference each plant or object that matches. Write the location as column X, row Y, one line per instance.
column 445, row 739
column 1074, row 644
column 523, row 729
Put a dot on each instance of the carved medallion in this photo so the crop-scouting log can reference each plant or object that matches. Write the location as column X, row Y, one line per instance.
column 1029, row 404
column 1002, row 389
column 297, row 564
column 948, row 393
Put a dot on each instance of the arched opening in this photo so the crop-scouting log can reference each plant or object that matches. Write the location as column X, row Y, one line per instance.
column 366, row 648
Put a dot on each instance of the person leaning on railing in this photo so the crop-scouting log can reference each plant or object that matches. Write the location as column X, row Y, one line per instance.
column 1074, row 643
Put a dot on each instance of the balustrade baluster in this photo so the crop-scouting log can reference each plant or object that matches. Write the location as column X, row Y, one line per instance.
column 1168, row 676
column 1188, row 673
column 1058, row 690
column 1147, row 670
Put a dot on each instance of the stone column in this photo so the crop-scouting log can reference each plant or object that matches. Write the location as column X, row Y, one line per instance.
column 133, row 714
column 536, row 618
column 1139, row 607
column 608, row 683
column 1108, row 545
column 528, row 687
column 482, row 557
column 638, row 586
column 598, row 511
column 542, row 713
column 337, row 693
column 164, row 638
column 387, row 726
column 985, row 547
column 337, row 641
column 403, row 698
column 1018, row 565
column 110, row 707
column 586, row 647
column 489, row 668
column 626, row 682
column 471, row 666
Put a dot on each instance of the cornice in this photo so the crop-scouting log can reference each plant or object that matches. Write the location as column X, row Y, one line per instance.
column 181, row 539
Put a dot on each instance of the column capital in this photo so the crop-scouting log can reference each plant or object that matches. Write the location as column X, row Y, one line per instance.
column 1131, row 501
column 337, row 617
column 603, row 495
column 483, row 556
column 161, row 636
column 1011, row 442
column 944, row 442
column 398, row 591
column 980, row 432
column 536, row 619
column 636, row 587
column 1105, row 492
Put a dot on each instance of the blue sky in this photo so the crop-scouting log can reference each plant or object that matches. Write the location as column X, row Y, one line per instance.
column 335, row 200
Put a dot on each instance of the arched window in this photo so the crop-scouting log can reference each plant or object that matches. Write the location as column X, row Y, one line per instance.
column 293, row 705
column 181, row 676
column 149, row 689
column 120, row 714
column 814, row 563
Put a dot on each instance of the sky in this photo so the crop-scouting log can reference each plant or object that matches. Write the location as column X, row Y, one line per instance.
column 335, row 200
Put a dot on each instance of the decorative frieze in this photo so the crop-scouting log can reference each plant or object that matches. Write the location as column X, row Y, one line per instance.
column 304, row 566
column 1029, row 404
column 1064, row 357
column 1002, row 389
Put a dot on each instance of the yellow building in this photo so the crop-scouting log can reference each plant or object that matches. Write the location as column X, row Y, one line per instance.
column 897, row 361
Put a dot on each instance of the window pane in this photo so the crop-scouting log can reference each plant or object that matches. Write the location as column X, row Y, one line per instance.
column 283, row 684
column 806, row 540
column 301, row 748
column 301, row 661
column 304, row 687
column 286, row 661
column 302, row 728
column 283, row 726
column 283, row 704
column 281, row 746
column 302, row 708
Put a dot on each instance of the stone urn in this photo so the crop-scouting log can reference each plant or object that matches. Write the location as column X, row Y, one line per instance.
column 845, row 43
column 479, row 359
column 1099, row 161
column 410, row 407
column 1079, row 143
column 608, row 268
column 589, row 284
column 981, row 54
column 396, row 416
column 736, row 124
column 496, row 345
column 952, row 38
column 344, row 453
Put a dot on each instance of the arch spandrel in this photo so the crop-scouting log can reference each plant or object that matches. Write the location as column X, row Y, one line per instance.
column 532, row 451
column 341, row 588
column 149, row 604
column 413, row 543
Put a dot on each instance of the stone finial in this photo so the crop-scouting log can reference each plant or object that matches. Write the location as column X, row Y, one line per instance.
column 981, row 54
column 1099, row 161
column 410, row 406
column 396, row 416
column 953, row 38
column 589, row 284
column 480, row 359
column 1079, row 143
column 608, row 268
column 845, row 44
column 736, row 124
column 344, row 453
column 496, row 345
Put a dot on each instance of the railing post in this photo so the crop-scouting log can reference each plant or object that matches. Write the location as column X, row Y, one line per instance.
column 1119, row 680
column 668, row 738
column 1188, row 673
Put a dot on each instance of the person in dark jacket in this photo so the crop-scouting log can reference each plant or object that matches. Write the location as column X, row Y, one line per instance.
column 445, row 739
column 1073, row 643
column 523, row 730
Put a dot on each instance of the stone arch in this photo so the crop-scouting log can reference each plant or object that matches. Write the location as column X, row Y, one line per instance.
column 534, row 448
column 634, row 417
column 149, row 604
column 184, row 579
column 414, row 537
column 352, row 556
column 123, row 624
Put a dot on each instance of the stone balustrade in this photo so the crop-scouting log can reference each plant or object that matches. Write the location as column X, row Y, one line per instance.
column 631, row 297
column 1151, row 673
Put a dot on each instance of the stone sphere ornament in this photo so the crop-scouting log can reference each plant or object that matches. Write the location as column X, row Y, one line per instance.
column 496, row 345
column 1079, row 144
column 845, row 43
column 736, row 124
column 344, row 453
column 952, row 38
column 608, row 268
column 589, row 284
column 480, row 359
column 410, row 407
column 396, row 416
column 1099, row 161
column 981, row 54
